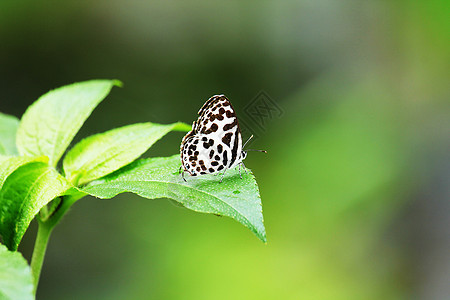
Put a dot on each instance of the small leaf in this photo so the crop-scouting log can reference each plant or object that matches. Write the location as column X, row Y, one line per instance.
column 23, row 194
column 8, row 129
column 101, row 154
column 10, row 164
column 16, row 281
column 158, row 178
column 49, row 124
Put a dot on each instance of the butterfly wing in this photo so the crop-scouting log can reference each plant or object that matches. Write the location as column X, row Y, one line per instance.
column 215, row 141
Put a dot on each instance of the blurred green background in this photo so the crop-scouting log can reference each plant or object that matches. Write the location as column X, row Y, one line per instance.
column 355, row 187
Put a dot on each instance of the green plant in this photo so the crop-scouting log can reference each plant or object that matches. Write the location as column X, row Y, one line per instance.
column 34, row 185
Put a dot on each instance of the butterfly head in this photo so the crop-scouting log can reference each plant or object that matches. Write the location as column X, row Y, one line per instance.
column 243, row 154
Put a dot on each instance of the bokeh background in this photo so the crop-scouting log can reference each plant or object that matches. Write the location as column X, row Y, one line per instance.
column 355, row 187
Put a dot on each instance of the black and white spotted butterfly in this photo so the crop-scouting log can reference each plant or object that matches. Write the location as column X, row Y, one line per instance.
column 215, row 142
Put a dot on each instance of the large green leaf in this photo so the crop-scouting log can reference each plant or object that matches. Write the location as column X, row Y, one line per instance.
column 159, row 178
column 23, row 194
column 101, row 154
column 16, row 281
column 8, row 129
column 49, row 124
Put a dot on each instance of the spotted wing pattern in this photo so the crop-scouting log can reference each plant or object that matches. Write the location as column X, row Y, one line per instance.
column 214, row 143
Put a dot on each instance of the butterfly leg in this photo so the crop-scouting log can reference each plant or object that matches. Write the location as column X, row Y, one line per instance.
column 243, row 166
column 240, row 175
column 223, row 175
column 182, row 173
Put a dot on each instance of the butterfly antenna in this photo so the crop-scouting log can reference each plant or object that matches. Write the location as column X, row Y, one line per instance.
column 256, row 150
column 247, row 141
column 251, row 149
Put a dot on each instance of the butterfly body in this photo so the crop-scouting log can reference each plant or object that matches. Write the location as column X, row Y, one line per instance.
column 215, row 143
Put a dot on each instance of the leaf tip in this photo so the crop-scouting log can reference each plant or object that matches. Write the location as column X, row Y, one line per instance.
column 43, row 158
column 180, row 126
column 117, row 82
column 263, row 238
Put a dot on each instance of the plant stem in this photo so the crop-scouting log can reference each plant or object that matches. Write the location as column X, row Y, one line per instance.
column 44, row 231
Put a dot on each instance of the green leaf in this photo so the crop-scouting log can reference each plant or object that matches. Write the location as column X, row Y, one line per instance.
column 8, row 129
column 101, row 154
column 49, row 124
column 16, row 281
column 10, row 164
column 23, row 194
column 159, row 178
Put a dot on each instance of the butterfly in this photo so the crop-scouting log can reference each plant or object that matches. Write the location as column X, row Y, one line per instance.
column 215, row 141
